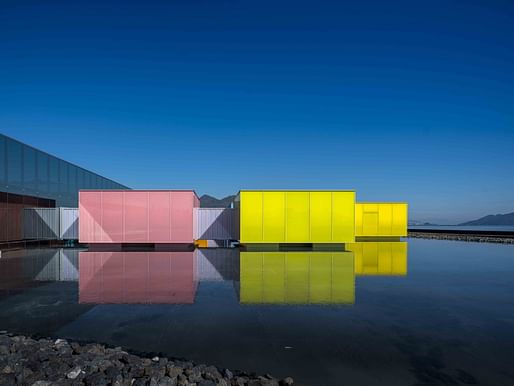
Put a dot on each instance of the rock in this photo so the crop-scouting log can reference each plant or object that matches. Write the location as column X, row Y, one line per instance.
column 7, row 370
column 173, row 371
column 167, row 381
column 73, row 374
column 228, row 374
column 206, row 383
column 96, row 379
column 47, row 362
column 212, row 373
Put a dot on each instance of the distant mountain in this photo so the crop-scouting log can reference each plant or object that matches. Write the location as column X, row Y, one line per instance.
column 207, row 201
column 418, row 223
column 493, row 219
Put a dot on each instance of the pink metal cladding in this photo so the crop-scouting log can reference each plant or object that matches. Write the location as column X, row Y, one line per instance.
column 136, row 216
column 137, row 277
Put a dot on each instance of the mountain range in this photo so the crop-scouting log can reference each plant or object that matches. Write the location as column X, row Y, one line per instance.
column 207, row 201
column 493, row 219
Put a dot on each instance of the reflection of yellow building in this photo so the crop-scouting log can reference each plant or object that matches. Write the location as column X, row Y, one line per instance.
column 297, row 278
column 316, row 277
column 296, row 216
column 379, row 258
column 380, row 219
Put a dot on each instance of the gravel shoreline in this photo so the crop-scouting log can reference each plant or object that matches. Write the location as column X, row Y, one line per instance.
column 45, row 362
column 462, row 237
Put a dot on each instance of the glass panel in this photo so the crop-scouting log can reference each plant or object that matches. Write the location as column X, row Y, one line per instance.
column 29, row 170
column 63, row 177
column 54, row 176
column 14, row 166
column 3, row 163
column 42, row 174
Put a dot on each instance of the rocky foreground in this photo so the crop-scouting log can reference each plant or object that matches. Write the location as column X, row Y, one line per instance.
column 44, row 362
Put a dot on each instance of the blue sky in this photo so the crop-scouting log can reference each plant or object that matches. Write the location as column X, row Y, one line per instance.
column 408, row 101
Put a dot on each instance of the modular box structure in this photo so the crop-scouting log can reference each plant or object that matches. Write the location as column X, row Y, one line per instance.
column 379, row 258
column 296, row 216
column 137, row 216
column 297, row 278
column 380, row 219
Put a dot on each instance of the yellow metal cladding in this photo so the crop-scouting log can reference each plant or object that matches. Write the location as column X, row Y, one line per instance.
column 297, row 216
column 379, row 258
column 297, row 278
column 380, row 219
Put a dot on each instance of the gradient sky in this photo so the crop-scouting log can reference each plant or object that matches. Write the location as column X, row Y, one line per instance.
column 408, row 101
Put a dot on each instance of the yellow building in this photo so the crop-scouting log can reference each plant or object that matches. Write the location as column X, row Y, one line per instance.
column 297, row 278
column 380, row 219
column 296, row 216
column 379, row 258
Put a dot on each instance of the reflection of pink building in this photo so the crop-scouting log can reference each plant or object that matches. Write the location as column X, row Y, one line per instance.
column 137, row 277
column 136, row 216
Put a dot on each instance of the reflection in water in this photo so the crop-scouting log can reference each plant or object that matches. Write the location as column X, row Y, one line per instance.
column 259, row 277
column 30, row 267
column 316, row 277
column 379, row 258
column 297, row 277
column 137, row 277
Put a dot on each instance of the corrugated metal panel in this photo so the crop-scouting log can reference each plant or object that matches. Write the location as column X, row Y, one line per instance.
column 69, row 229
column 215, row 224
column 41, row 223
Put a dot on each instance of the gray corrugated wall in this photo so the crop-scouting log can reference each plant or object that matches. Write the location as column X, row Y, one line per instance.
column 41, row 223
column 69, row 229
column 50, row 223
column 216, row 224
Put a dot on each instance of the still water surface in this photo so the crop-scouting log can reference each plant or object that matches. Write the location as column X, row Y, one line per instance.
column 443, row 314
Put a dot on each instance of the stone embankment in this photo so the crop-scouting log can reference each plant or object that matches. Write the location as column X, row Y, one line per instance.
column 44, row 362
column 462, row 237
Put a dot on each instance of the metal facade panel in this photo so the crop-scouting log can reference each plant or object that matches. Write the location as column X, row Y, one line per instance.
column 182, row 204
column 381, row 219
column 112, row 216
column 215, row 224
column 136, row 216
column 251, row 217
column 135, row 213
column 41, row 223
column 297, row 216
column 159, row 215
column 69, row 227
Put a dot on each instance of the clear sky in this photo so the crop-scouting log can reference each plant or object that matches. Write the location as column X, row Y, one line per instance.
column 409, row 101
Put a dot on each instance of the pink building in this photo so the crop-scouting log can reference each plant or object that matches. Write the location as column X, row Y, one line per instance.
column 136, row 216
column 137, row 277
